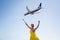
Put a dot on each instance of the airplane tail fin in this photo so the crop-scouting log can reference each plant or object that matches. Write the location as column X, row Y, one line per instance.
column 40, row 5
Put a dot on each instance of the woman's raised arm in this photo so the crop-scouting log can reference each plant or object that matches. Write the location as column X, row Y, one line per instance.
column 26, row 24
column 37, row 25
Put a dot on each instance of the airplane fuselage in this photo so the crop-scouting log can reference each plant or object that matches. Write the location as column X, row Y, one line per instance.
column 32, row 12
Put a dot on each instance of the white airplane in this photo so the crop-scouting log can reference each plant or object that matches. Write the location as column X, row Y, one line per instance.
column 33, row 11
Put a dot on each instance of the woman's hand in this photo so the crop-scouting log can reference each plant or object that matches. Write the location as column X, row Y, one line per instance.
column 23, row 19
column 38, row 21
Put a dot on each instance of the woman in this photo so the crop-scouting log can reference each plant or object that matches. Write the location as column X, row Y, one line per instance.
column 33, row 35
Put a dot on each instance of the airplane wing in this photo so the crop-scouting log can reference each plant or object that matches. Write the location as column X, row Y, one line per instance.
column 27, row 8
column 28, row 11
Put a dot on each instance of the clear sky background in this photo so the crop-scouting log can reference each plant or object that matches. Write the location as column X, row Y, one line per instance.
column 13, row 28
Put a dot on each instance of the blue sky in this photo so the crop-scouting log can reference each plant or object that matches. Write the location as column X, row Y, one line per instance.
column 13, row 28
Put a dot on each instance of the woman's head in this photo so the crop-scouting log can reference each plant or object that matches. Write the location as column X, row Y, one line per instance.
column 32, row 25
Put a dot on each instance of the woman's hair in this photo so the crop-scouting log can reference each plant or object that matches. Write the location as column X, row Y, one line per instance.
column 32, row 25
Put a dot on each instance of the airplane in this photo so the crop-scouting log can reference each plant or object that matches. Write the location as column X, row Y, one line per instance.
column 32, row 12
